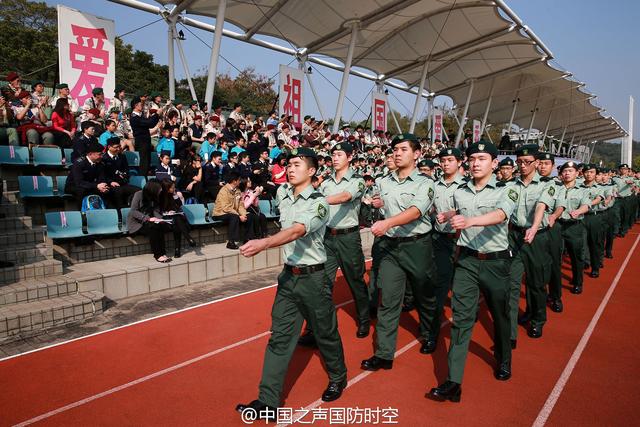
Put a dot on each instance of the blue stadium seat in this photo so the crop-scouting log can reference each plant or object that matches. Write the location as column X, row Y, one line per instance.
column 124, row 213
column 47, row 156
column 67, row 155
column 35, row 186
column 196, row 214
column 64, row 225
column 14, row 155
column 133, row 158
column 138, row 181
column 102, row 221
column 210, row 207
column 155, row 160
column 267, row 208
column 61, row 181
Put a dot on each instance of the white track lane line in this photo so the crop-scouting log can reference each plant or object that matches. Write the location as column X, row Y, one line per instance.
column 149, row 377
column 545, row 412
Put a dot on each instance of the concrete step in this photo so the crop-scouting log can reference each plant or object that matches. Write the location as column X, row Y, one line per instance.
column 10, row 224
column 32, row 270
column 26, row 253
column 37, row 289
column 12, row 209
column 31, row 317
column 16, row 237
column 10, row 197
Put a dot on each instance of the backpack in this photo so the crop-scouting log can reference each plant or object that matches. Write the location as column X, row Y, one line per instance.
column 191, row 201
column 92, row 202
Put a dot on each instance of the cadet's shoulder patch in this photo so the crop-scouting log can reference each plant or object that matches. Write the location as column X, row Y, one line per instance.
column 551, row 191
column 322, row 211
column 361, row 186
column 513, row 195
column 430, row 193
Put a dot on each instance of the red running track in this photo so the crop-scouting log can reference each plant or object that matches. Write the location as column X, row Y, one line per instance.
column 194, row 366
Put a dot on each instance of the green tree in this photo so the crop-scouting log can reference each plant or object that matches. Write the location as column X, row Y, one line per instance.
column 137, row 72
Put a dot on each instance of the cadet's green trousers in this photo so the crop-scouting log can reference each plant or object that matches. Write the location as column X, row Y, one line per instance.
column 300, row 297
column 532, row 261
column 625, row 212
column 554, row 239
column 405, row 263
column 615, row 216
column 593, row 223
column 444, row 248
column 609, row 234
column 573, row 238
column 345, row 251
column 374, row 289
column 472, row 276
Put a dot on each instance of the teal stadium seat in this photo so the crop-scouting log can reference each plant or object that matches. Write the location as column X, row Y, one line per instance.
column 196, row 214
column 35, row 186
column 13, row 155
column 64, row 225
column 133, row 158
column 67, row 156
column 267, row 208
column 124, row 213
column 47, row 156
column 210, row 207
column 61, row 181
column 138, row 181
column 102, row 221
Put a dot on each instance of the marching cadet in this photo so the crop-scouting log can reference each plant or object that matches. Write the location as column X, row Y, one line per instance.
column 303, row 290
column 506, row 167
column 405, row 251
column 593, row 219
column 546, row 164
column 484, row 206
column 528, row 240
column 608, row 194
column 444, row 236
column 625, row 189
column 343, row 190
column 577, row 202
column 426, row 167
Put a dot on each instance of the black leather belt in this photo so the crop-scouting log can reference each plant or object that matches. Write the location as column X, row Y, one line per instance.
column 305, row 269
column 339, row 231
column 407, row 239
column 451, row 236
column 568, row 221
column 591, row 213
column 523, row 230
column 506, row 254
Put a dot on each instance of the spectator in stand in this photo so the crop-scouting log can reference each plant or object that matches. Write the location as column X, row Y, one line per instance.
column 192, row 113
column 116, row 173
column 167, row 144
column 190, row 182
column 12, row 91
column 196, row 133
column 208, row 147
column 38, row 96
column 276, row 151
column 241, row 131
column 145, row 217
column 87, row 176
column 96, row 102
column 273, row 118
column 140, row 126
column 64, row 92
column 230, row 210
column 32, row 119
column 171, row 209
column 110, row 127
column 8, row 132
column 279, row 171
column 236, row 114
column 256, row 221
column 211, row 173
column 118, row 102
column 244, row 167
column 240, row 146
column 231, row 166
column 213, row 126
column 165, row 169
column 229, row 132
column 223, row 147
column 261, row 175
column 63, row 123
column 255, row 146
column 217, row 110
column 82, row 142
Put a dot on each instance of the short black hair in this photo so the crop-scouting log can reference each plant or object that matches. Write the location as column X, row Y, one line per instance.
column 233, row 176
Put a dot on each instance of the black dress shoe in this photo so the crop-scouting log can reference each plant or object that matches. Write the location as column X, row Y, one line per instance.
column 408, row 307
column 577, row 289
column 363, row 330
column 601, row 265
column 261, row 410
column 556, row 306
column 446, row 391
column 594, row 274
column 232, row 245
column 333, row 391
column 307, row 340
column 514, row 344
column 503, row 373
column 535, row 332
column 374, row 363
column 428, row 346
column 524, row 318
column 609, row 255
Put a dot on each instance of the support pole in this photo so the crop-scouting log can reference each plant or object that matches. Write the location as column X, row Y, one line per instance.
column 564, row 131
column 429, row 114
column 546, row 128
column 513, row 113
column 393, row 113
column 215, row 54
column 185, row 65
column 416, row 106
column 629, row 159
column 345, row 76
column 313, row 90
column 486, row 110
column 172, row 65
column 463, row 119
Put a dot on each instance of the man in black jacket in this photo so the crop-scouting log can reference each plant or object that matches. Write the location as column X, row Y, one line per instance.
column 140, row 127
column 232, row 165
column 81, row 142
column 87, row 176
column 116, row 172
column 211, row 173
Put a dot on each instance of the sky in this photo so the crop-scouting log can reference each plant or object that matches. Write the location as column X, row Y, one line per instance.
column 597, row 41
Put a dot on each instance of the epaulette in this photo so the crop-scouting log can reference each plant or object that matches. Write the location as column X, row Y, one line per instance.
column 357, row 175
column 501, row 183
column 545, row 178
column 315, row 195
column 559, row 183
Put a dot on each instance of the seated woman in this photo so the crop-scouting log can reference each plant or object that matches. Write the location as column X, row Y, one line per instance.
column 191, row 179
column 63, row 123
column 257, row 221
column 145, row 217
column 171, row 208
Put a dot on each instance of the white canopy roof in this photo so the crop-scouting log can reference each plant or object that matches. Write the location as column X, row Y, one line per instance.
column 458, row 40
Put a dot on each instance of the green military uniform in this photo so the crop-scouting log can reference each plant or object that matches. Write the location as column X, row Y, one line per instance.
column 554, row 239
column 303, row 294
column 609, row 218
column 573, row 230
column 625, row 190
column 342, row 239
column 406, row 258
column 483, row 264
column 444, row 236
column 593, row 222
column 530, row 259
